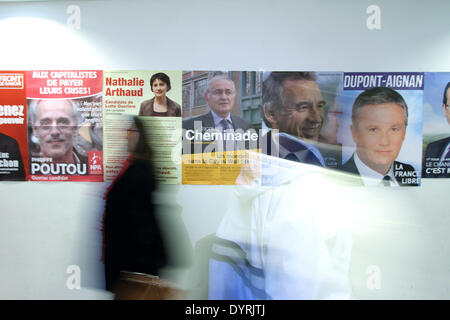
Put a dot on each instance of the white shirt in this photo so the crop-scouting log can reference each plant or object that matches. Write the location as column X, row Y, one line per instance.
column 370, row 177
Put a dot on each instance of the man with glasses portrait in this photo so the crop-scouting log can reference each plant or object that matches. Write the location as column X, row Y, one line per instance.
column 220, row 96
column 55, row 124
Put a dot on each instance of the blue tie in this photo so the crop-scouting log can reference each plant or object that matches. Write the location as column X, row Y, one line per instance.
column 225, row 126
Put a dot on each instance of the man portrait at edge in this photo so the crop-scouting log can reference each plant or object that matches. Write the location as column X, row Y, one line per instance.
column 10, row 152
column 439, row 151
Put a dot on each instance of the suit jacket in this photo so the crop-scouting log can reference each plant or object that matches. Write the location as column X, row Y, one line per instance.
column 133, row 238
column 173, row 108
column 401, row 175
column 269, row 147
column 207, row 121
column 434, row 151
column 10, row 146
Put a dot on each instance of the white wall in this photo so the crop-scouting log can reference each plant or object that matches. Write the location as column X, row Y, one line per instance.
column 45, row 226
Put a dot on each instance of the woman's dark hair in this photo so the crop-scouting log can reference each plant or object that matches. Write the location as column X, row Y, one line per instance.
column 143, row 149
column 160, row 76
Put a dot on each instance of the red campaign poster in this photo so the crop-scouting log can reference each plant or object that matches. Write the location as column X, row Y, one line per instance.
column 13, row 127
column 65, row 126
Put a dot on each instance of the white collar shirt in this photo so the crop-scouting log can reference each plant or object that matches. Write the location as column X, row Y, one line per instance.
column 370, row 177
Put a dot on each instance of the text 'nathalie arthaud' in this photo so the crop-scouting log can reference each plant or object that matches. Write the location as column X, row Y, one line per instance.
column 232, row 309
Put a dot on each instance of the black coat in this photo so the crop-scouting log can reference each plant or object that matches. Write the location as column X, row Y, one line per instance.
column 11, row 147
column 133, row 239
column 433, row 154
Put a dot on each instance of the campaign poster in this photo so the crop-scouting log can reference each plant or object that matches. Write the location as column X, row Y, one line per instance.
column 436, row 125
column 382, row 127
column 13, row 126
column 221, row 121
column 65, row 125
column 301, row 119
column 155, row 97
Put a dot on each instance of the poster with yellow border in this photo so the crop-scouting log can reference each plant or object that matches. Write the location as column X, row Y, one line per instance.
column 221, row 120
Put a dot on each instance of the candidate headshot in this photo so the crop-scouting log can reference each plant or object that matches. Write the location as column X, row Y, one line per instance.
column 438, row 152
column 220, row 95
column 379, row 121
column 293, row 104
column 160, row 105
column 55, row 124
column 446, row 102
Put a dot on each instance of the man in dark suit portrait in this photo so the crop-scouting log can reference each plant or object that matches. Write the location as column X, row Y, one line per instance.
column 220, row 96
column 11, row 164
column 437, row 155
column 293, row 106
column 379, row 121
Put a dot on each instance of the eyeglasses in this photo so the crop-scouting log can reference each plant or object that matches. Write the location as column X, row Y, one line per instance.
column 221, row 92
column 60, row 128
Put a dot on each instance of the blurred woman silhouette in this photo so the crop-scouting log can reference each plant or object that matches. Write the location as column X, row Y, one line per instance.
column 133, row 243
